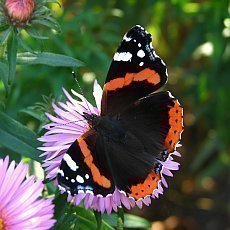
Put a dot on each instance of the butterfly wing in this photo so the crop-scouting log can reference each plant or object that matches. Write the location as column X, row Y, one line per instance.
column 152, row 126
column 149, row 130
column 84, row 168
column 136, row 71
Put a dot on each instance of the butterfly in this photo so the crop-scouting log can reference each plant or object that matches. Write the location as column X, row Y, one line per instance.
column 136, row 130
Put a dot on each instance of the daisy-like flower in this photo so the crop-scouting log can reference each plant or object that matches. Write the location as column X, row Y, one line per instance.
column 20, row 206
column 64, row 130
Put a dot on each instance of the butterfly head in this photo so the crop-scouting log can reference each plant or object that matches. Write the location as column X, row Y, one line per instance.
column 92, row 119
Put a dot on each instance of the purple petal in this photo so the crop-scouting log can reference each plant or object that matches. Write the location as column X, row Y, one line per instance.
column 125, row 201
column 147, row 200
column 139, row 203
column 78, row 198
column 97, row 93
column 167, row 172
column 108, row 203
column 164, row 182
column 101, row 204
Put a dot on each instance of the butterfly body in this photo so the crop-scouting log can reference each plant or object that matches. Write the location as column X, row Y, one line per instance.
column 125, row 145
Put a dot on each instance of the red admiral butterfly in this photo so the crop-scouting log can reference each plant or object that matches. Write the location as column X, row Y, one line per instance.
column 137, row 129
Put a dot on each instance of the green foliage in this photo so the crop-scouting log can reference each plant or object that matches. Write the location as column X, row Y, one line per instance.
column 12, row 48
column 130, row 221
column 72, row 217
column 18, row 138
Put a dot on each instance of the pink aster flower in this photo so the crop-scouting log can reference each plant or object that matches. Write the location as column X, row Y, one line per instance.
column 20, row 206
column 64, row 130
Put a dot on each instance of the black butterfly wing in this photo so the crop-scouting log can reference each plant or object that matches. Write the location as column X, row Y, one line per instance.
column 136, row 71
column 152, row 127
column 84, row 168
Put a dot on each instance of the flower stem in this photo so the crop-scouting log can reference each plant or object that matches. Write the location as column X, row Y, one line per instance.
column 98, row 219
column 120, row 219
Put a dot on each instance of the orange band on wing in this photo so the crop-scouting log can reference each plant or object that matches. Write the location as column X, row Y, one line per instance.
column 176, row 126
column 148, row 75
column 146, row 188
column 97, row 177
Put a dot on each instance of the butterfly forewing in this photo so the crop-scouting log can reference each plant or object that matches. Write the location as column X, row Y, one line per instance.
column 136, row 71
column 84, row 168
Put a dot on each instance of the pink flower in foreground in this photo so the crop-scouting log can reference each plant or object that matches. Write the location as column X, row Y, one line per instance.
column 20, row 206
column 19, row 10
column 63, row 131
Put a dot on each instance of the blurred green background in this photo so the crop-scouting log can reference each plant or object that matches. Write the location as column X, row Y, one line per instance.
column 192, row 37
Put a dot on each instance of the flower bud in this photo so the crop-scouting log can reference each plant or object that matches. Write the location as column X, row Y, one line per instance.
column 19, row 10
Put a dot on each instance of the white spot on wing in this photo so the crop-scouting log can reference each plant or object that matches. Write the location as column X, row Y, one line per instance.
column 141, row 63
column 123, row 56
column 72, row 180
column 127, row 39
column 67, row 158
column 141, row 53
column 87, row 176
column 61, row 172
column 139, row 44
column 79, row 179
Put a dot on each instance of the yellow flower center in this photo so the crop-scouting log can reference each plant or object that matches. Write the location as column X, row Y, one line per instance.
column 2, row 227
column 1, row 224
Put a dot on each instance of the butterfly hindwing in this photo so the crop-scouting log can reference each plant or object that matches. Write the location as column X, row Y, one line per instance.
column 136, row 71
column 155, row 119
column 146, row 126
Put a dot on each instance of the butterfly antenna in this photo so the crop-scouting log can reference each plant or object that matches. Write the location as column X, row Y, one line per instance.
column 81, row 91
column 52, row 126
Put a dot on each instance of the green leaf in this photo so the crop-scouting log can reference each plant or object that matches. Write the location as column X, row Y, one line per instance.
column 22, row 43
column 31, row 111
column 12, row 48
column 130, row 221
column 86, row 220
column 61, row 206
column 46, row 58
column 4, row 76
column 48, row 23
column 5, row 35
column 18, row 138
column 3, row 27
column 33, row 33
